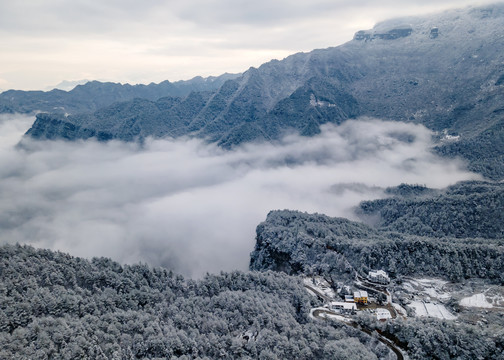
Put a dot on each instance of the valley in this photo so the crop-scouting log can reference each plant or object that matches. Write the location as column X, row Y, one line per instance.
column 341, row 203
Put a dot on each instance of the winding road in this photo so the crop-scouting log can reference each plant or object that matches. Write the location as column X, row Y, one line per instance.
column 322, row 314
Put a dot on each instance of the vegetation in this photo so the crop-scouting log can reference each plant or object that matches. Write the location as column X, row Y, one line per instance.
column 467, row 209
column 440, row 339
column 55, row 306
column 296, row 242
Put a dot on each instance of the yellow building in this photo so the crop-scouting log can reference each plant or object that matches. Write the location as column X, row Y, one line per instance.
column 361, row 297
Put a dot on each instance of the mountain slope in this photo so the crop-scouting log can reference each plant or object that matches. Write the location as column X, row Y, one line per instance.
column 467, row 209
column 301, row 243
column 444, row 71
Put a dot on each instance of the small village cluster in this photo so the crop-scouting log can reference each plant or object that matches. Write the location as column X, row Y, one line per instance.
column 360, row 298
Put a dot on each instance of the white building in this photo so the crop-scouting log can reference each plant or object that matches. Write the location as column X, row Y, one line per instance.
column 378, row 276
column 344, row 307
column 383, row 314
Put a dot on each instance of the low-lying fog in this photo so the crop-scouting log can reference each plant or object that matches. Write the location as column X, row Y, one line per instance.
column 193, row 207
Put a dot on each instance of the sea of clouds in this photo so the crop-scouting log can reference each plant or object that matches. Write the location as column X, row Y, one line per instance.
column 191, row 206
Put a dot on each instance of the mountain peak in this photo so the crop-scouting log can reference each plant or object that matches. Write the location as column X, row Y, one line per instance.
column 443, row 71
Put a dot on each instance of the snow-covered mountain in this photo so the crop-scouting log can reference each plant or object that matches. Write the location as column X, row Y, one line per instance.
column 444, row 71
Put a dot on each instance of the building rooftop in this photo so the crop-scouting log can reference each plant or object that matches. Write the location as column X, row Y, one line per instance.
column 344, row 305
column 349, row 298
column 383, row 314
column 360, row 294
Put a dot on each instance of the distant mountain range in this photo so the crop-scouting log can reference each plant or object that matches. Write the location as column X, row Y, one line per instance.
column 67, row 85
column 444, row 71
column 93, row 95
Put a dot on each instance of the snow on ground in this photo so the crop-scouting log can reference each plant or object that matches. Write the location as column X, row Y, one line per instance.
column 308, row 281
column 329, row 316
column 431, row 310
column 310, row 292
column 335, row 317
column 434, row 288
column 435, row 294
column 389, row 298
column 432, row 282
column 383, row 314
column 497, row 301
column 407, row 286
column 477, row 300
column 329, row 292
column 400, row 309
column 320, row 285
column 419, row 308
column 439, row 311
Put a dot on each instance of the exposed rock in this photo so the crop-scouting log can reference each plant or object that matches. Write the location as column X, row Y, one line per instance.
column 391, row 34
column 53, row 127
column 434, row 33
column 500, row 80
column 363, row 35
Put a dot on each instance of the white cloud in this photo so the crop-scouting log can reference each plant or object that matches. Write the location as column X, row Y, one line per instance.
column 194, row 207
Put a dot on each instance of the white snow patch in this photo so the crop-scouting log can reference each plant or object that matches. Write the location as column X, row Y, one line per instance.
column 497, row 301
column 383, row 314
column 432, row 292
column 419, row 308
column 335, row 317
column 430, row 287
column 432, row 310
column 477, row 300
column 439, row 311
column 433, row 282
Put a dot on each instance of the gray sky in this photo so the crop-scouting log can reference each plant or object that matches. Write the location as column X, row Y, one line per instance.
column 46, row 41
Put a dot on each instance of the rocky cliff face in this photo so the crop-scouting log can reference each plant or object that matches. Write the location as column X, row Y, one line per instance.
column 391, row 34
column 54, row 127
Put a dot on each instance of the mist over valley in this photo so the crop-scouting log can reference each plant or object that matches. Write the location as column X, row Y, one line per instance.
column 193, row 207
column 340, row 203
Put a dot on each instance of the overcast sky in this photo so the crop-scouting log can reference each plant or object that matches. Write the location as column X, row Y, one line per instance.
column 44, row 42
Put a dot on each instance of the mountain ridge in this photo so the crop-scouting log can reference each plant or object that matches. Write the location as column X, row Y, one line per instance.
column 443, row 71
column 94, row 94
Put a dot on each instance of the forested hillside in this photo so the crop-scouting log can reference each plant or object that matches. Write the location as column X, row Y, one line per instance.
column 313, row 244
column 464, row 210
column 437, row 339
column 54, row 306
column 301, row 243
